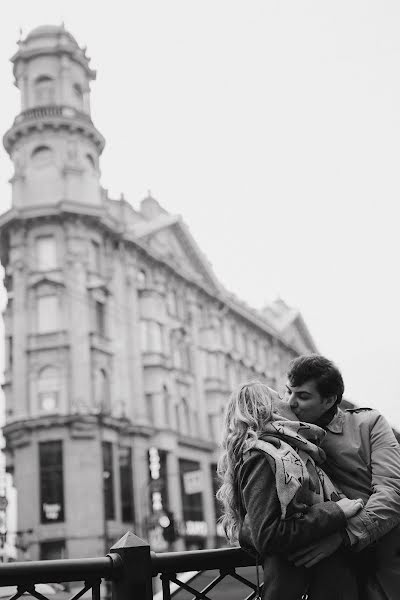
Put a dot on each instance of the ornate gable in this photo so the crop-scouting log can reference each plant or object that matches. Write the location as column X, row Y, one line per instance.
column 168, row 236
column 290, row 324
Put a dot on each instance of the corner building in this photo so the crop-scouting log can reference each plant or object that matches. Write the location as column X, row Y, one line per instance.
column 121, row 344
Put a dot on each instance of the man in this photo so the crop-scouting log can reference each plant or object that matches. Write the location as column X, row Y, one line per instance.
column 363, row 459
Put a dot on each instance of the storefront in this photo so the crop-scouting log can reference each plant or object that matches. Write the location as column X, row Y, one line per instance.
column 194, row 527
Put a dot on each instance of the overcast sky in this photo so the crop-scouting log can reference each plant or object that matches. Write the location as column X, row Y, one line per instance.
column 273, row 128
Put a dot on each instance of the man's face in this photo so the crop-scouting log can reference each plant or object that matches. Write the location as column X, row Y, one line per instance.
column 306, row 402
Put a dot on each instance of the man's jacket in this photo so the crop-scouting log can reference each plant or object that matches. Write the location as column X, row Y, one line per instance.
column 363, row 459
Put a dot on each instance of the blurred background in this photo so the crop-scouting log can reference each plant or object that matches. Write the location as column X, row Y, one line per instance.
column 202, row 194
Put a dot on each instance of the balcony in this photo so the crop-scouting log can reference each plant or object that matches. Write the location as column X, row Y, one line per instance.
column 100, row 342
column 52, row 116
column 45, row 341
column 40, row 112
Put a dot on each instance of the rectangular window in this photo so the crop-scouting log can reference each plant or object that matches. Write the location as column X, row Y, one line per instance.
column 51, row 482
column 100, row 320
column 94, row 256
column 46, row 253
column 150, row 408
column 108, row 481
column 144, row 338
column 52, row 550
column 47, row 314
column 126, row 482
column 155, row 342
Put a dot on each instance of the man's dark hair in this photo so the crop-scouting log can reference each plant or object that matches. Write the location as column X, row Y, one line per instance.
column 324, row 372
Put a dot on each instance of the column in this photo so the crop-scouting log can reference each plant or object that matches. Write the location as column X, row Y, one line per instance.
column 136, row 405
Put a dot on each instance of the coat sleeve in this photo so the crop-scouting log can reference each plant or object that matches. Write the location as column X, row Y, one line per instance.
column 270, row 533
column 382, row 510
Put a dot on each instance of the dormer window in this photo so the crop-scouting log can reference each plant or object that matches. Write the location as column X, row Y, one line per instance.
column 44, row 90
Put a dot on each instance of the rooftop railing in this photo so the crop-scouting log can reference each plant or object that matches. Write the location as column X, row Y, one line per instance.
column 51, row 110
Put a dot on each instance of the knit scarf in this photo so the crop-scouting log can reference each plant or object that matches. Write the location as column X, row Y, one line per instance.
column 292, row 449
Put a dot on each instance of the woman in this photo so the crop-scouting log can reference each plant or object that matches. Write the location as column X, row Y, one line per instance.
column 273, row 487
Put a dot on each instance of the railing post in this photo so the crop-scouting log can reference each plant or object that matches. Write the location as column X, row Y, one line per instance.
column 135, row 580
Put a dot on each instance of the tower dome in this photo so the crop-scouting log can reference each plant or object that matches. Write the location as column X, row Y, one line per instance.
column 50, row 31
column 53, row 142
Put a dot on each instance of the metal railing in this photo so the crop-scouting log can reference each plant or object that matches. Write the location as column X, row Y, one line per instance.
column 131, row 566
column 51, row 110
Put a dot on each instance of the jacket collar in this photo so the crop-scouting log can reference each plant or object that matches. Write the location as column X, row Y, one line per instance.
column 336, row 424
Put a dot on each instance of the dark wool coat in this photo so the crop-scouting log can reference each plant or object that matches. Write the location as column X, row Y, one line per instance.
column 274, row 538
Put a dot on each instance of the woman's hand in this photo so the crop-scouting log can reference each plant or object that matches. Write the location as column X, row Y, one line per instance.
column 350, row 507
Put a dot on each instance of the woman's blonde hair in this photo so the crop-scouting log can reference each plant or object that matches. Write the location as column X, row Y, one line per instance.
column 248, row 411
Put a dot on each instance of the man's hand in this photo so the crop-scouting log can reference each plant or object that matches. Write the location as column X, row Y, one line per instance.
column 311, row 555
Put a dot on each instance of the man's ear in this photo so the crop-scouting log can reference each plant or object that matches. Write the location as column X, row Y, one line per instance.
column 330, row 401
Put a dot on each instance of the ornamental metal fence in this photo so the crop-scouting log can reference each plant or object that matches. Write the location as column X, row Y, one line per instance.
column 130, row 568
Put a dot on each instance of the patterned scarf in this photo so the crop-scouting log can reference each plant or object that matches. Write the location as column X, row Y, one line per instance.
column 292, row 449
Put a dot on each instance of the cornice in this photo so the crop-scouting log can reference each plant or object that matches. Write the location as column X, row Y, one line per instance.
column 79, row 424
column 229, row 301
column 52, row 117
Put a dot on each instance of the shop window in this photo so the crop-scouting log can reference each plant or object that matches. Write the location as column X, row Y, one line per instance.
column 51, row 482
column 54, row 550
column 192, row 485
column 126, row 482
column 108, row 481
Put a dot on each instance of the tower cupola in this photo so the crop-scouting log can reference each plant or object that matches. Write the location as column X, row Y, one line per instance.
column 53, row 143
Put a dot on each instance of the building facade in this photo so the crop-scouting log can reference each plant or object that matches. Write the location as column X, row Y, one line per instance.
column 121, row 344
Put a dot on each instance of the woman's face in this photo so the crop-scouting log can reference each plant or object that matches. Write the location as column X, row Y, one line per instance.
column 281, row 408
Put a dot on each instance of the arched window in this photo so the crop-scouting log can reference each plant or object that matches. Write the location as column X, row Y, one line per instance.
column 102, row 391
column 78, row 92
column 185, row 416
column 41, row 155
column 141, row 279
column 90, row 162
column 44, row 90
column 48, row 388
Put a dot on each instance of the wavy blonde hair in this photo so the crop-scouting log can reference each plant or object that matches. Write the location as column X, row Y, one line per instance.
column 248, row 411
